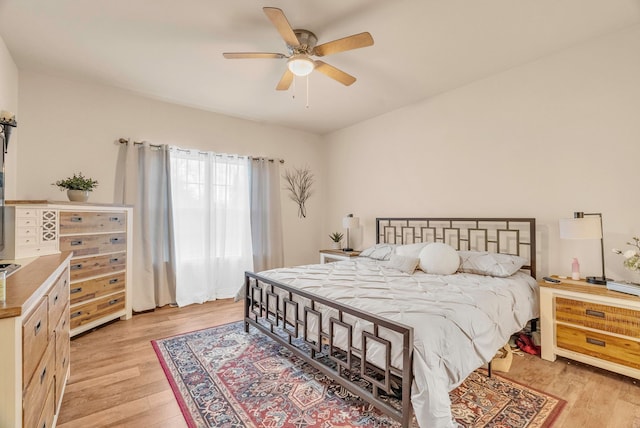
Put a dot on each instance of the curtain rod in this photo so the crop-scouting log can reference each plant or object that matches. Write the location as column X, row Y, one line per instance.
column 139, row 143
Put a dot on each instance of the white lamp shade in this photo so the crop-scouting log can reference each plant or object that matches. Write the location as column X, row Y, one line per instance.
column 300, row 65
column 581, row 228
column 351, row 222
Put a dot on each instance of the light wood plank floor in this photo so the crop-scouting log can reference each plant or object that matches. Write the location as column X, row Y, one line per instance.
column 116, row 380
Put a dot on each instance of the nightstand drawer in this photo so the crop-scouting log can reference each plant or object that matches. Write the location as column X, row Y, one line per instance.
column 99, row 265
column 609, row 348
column 597, row 316
column 85, row 245
column 96, row 309
column 83, row 222
column 92, row 288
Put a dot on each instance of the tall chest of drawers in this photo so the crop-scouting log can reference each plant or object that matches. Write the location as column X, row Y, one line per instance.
column 34, row 327
column 588, row 323
column 100, row 269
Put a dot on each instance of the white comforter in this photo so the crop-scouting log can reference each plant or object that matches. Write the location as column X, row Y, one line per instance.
column 459, row 321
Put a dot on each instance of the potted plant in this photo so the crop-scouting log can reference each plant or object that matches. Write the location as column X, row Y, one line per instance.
column 77, row 187
column 336, row 237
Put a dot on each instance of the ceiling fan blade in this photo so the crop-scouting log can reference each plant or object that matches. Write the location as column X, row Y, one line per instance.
column 356, row 41
column 242, row 55
column 285, row 81
column 282, row 25
column 334, row 73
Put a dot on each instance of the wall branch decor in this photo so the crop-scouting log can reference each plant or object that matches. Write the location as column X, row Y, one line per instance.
column 299, row 181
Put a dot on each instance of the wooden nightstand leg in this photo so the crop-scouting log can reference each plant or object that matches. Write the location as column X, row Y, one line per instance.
column 547, row 330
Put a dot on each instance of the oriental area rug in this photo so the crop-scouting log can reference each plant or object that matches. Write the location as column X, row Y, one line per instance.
column 224, row 377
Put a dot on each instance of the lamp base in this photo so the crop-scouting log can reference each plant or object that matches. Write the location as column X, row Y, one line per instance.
column 347, row 249
column 598, row 280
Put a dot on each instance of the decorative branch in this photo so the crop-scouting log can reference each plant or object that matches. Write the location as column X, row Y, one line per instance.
column 299, row 183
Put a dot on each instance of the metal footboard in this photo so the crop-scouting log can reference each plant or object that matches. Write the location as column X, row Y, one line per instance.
column 352, row 347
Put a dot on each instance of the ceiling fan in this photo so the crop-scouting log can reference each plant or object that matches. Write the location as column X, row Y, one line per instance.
column 301, row 45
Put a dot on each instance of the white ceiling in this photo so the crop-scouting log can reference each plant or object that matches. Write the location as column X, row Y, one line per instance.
column 172, row 50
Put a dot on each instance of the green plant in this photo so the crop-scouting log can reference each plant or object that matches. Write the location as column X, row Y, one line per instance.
column 336, row 236
column 77, row 182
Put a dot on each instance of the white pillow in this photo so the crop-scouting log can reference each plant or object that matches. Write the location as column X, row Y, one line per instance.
column 439, row 259
column 403, row 263
column 379, row 251
column 492, row 264
column 411, row 250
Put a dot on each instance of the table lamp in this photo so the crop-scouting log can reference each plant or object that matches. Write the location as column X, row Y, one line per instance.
column 350, row 222
column 581, row 227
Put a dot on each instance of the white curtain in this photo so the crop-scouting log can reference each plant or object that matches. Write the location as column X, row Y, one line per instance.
column 211, row 211
column 266, row 218
column 142, row 180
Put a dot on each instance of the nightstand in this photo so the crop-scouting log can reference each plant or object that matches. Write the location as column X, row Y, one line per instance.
column 588, row 323
column 327, row 256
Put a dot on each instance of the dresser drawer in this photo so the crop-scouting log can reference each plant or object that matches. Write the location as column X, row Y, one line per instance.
column 96, row 309
column 35, row 337
column 597, row 316
column 97, row 287
column 58, row 299
column 35, row 394
column 48, row 412
column 91, row 222
column 603, row 346
column 84, row 245
column 62, row 352
column 88, row 267
column 27, row 232
column 26, row 212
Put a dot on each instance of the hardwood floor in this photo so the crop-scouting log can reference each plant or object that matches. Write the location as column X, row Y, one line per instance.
column 116, row 380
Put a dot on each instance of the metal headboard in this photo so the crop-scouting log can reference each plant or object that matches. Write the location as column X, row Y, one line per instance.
column 515, row 236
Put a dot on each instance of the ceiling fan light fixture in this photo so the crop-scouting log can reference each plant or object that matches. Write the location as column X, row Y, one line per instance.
column 300, row 65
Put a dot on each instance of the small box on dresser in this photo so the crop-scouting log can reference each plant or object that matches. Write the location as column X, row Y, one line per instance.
column 591, row 324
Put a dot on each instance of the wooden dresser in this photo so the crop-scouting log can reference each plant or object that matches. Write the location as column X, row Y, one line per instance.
column 97, row 234
column 588, row 323
column 34, row 333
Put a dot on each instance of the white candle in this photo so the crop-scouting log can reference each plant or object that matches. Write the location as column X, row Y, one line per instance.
column 6, row 116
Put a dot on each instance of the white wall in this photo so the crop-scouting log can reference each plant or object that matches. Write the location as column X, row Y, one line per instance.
column 9, row 102
column 555, row 136
column 68, row 126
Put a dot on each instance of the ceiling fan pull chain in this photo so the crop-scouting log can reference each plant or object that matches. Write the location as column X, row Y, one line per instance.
column 293, row 93
column 307, row 106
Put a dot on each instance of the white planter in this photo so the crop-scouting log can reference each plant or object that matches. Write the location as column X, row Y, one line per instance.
column 335, row 245
column 78, row 195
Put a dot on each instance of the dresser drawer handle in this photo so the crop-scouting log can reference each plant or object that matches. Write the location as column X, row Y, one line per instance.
column 596, row 342
column 42, row 375
column 55, row 299
column 76, row 219
column 75, row 314
column 115, row 240
column 75, row 290
column 113, row 302
column 37, row 328
column 113, row 281
column 44, row 425
column 76, row 266
column 597, row 314
column 75, row 243
column 114, row 260
column 114, row 218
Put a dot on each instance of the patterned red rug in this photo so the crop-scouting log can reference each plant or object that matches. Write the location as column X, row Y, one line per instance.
column 223, row 377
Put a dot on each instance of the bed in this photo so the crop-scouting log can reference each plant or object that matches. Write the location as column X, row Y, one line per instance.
column 402, row 340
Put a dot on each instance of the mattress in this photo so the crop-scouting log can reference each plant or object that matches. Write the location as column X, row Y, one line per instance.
column 459, row 320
